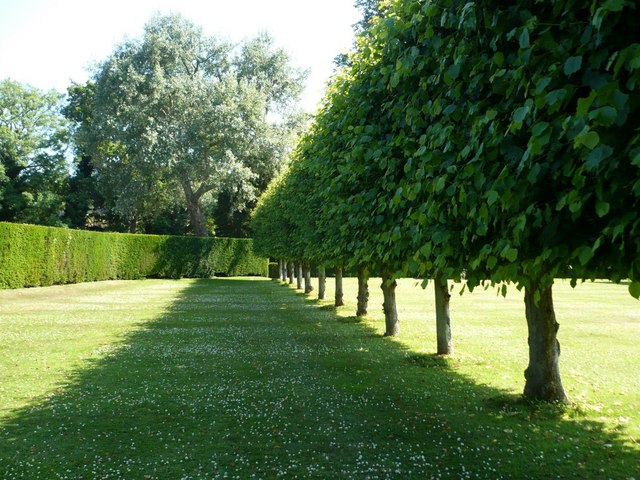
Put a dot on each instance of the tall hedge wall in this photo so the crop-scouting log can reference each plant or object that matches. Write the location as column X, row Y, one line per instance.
column 37, row 256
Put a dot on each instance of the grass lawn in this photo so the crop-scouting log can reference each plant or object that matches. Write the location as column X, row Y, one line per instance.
column 245, row 378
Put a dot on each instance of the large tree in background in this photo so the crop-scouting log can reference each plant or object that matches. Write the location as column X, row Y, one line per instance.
column 33, row 142
column 177, row 111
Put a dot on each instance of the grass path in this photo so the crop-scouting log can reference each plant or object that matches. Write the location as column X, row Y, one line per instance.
column 243, row 378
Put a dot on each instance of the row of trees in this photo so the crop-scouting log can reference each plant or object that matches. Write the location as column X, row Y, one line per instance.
column 177, row 131
column 488, row 142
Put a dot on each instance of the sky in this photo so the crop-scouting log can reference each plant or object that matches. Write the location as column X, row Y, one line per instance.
column 50, row 43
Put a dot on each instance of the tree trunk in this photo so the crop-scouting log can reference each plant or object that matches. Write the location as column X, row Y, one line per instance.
column 339, row 298
column 133, row 225
column 543, row 373
column 281, row 270
column 292, row 267
column 299, row 275
column 308, row 288
column 195, row 215
column 322, row 282
column 443, row 321
column 389, row 306
column 363, row 292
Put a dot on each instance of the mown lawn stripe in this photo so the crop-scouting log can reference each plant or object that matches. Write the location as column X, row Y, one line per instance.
column 243, row 378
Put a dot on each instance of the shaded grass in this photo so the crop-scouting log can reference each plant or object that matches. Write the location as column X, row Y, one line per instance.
column 243, row 379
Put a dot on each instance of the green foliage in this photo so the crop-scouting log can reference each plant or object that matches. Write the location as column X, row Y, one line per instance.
column 177, row 114
column 33, row 141
column 38, row 256
column 271, row 229
column 500, row 139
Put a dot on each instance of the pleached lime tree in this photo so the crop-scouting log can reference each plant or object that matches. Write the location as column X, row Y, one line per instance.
column 527, row 145
column 498, row 139
column 271, row 229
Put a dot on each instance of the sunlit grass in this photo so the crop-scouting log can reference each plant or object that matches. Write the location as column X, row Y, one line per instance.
column 599, row 335
column 240, row 378
column 47, row 333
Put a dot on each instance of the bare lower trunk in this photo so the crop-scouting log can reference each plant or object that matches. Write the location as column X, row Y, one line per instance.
column 195, row 215
column 133, row 225
column 363, row 292
column 281, row 275
column 308, row 288
column 339, row 293
column 543, row 373
column 389, row 306
column 292, row 268
column 322, row 282
column 299, row 276
column 443, row 321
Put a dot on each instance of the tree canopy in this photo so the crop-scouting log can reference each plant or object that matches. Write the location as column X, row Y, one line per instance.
column 33, row 143
column 179, row 111
column 495, row 140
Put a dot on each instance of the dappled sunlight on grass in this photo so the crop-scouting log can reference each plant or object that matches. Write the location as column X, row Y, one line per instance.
column 242, row 378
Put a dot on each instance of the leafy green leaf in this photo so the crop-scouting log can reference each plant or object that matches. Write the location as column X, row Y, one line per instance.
column 520, row 114
column 452, row 74
column 492, row 196
column 585, row 103
column 491, row 114
column 634, row 290
column 511, row 254
column 606, row 116
column 613, row 5
column 524, row 38
column 596, row 156
column 602, row 208
column 539, row 128
column 587, row 138
column 585, row 254
column 572, row 65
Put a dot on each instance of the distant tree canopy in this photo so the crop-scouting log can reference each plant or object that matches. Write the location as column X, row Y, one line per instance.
column 176, row 133
column 177, row 117
column 33, row 142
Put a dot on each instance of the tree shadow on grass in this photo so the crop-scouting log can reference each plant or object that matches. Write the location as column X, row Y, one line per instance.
column 352, row 319
column 241, row 378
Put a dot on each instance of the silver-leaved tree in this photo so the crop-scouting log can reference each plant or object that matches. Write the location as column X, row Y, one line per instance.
column 183, row 113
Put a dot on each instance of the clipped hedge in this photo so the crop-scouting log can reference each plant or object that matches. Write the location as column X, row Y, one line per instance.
column 33, row 256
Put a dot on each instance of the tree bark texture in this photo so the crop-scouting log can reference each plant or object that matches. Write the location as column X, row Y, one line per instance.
column 443, row 320
column 389, row 306
column 543, row 373
column 291, row 267
column 339, row 298
column 322, row 282
column 299, row 275
column 363, row 292
column 281, row 275
column 308, row 288
column 195, row 214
